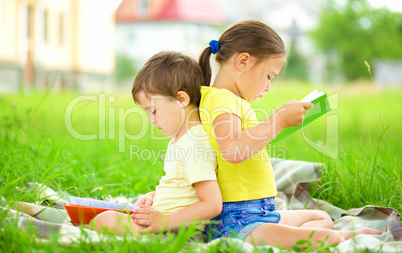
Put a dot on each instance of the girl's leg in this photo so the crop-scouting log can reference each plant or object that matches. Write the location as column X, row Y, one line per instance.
column 115, row 222
column 306, row 218
column 285, row 236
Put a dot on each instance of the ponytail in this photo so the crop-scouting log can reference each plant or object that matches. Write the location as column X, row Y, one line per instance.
column 205, row 65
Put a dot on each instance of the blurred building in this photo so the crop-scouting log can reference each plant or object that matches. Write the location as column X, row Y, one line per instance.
column 388, row 73
column 292, row 19
column 145, row 27
column 63, row 43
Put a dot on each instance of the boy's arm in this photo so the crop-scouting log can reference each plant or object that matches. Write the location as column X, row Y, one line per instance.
column 146, row 199
column 208, row 206
column 232, row 139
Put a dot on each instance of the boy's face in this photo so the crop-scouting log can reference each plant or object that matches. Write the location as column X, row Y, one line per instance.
column 165, row 113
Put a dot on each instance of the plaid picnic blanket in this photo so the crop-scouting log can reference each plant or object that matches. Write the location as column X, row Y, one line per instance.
column 293, row 179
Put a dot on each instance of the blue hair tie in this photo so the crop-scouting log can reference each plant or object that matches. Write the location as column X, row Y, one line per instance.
column 214, row 46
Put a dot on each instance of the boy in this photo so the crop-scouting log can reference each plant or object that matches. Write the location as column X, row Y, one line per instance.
column 168, row 89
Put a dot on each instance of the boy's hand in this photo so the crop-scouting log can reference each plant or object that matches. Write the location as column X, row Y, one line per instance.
column 291, row 113
column 146, row 200
column 152, row 219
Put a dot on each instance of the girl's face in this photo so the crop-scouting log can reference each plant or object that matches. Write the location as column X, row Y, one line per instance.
column 253, row 83
column 165, row 113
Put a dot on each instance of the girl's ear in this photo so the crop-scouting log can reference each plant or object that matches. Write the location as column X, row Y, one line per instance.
column 183, row 97
column 243, row 61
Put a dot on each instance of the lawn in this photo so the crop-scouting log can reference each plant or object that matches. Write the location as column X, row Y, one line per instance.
column 101, row 145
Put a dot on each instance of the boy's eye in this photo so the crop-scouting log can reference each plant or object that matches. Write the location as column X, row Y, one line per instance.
column 269, row 78
column 153, row 112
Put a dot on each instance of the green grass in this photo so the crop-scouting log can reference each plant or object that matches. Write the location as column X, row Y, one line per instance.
column 367, row 169
column 36, row 146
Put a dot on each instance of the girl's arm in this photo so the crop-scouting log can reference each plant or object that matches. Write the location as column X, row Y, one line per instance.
column 237, row 145
column 208, row 206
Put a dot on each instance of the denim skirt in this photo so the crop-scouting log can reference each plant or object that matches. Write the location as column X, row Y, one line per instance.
column 239, row 219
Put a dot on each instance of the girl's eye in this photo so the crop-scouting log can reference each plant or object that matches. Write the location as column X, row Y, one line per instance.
column 153, row 112
column 269, row 78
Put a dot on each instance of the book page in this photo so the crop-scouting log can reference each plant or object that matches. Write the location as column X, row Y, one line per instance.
column 100, row 203
column 313, row 95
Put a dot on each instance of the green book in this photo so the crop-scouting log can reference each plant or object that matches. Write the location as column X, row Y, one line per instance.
column 321, row 106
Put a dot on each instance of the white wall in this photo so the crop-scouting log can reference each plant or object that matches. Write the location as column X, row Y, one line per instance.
column 1, row 22
column 52, row 53
column 141, row 40
column 388, row 73
column 8, row 31
column 96, row 36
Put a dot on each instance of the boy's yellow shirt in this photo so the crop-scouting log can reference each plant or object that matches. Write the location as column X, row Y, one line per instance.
column 247, row 180
column 190, row 160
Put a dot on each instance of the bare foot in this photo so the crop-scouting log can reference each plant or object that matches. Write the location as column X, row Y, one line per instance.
column 367, row 231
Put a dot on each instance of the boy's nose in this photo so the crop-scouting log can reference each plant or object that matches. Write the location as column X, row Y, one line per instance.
column 151, row 119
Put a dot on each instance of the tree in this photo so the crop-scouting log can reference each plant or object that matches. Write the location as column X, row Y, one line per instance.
column 126, row 69
column 355, row 32
column 297, row 65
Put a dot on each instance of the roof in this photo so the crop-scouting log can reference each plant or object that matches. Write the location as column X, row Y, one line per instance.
column 197, row 11
column 192, row 10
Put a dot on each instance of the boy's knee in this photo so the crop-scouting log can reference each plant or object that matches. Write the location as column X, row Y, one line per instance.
column 105, row 219
column 327, row 219
column 115, row 222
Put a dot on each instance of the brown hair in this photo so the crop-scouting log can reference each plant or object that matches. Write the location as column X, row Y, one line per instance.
column 251, row 36
column 168, row 72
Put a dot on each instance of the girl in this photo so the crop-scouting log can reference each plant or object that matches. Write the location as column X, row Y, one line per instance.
column 250, row 55
column 168, row 89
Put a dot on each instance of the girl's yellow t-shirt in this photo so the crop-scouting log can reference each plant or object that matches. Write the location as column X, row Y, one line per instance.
column 247, row 180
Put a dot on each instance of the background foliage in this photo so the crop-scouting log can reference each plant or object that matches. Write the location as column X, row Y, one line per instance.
column 351, row 33
column 297, row 68
column 126, row 69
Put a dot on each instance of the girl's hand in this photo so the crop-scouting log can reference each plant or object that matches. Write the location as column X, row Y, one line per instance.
column 146, row 200
column 152, row 219
column 291, row 113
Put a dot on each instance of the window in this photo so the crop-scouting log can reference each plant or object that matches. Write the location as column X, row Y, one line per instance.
column 45, row 26
column 30, row 22
column 143, row 6
column 61, row 29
